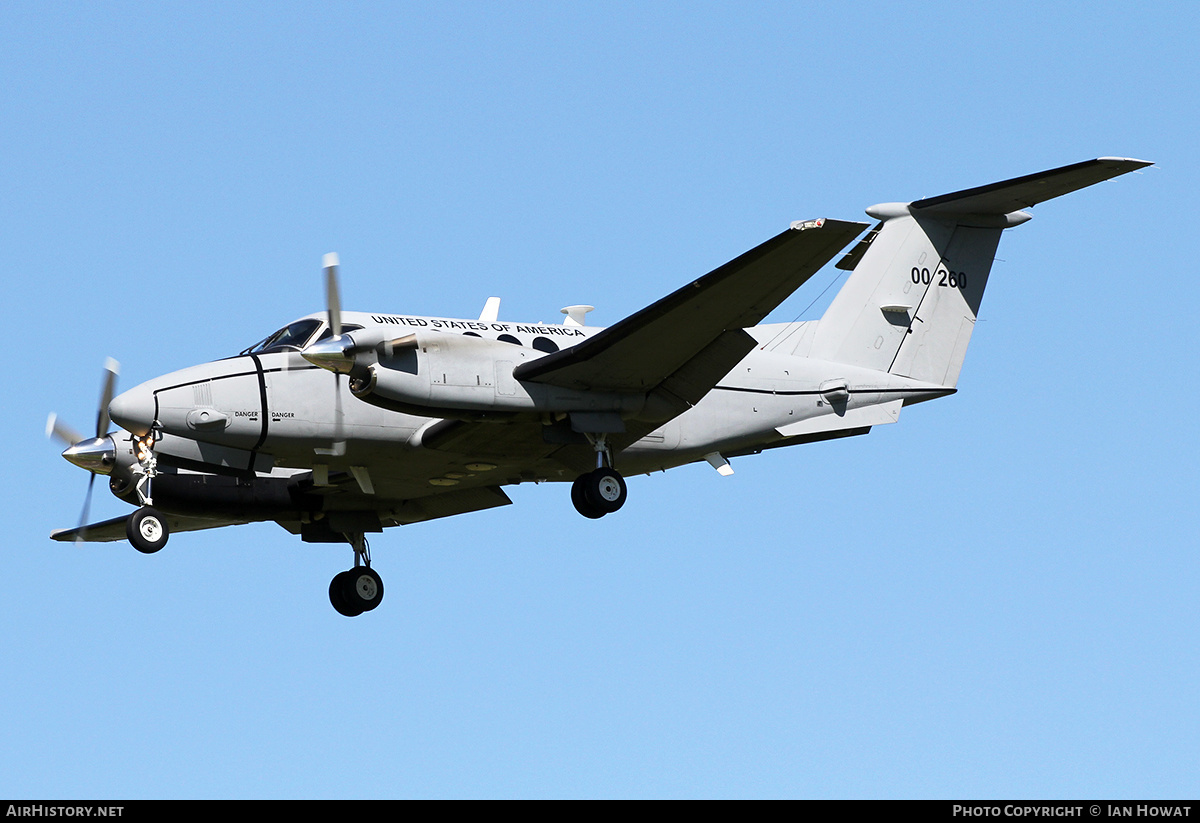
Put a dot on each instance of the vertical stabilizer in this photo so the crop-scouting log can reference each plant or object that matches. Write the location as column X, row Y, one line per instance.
column 910, row 305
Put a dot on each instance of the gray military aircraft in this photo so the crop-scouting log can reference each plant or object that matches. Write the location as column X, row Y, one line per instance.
column 341, row 423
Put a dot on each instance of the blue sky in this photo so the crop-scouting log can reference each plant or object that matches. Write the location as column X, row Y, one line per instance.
column 995, row 597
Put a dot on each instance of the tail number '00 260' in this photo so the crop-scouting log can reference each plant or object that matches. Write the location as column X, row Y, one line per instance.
column 943, row 277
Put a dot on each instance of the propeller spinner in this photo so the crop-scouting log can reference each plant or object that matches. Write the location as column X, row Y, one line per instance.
column 96, row 454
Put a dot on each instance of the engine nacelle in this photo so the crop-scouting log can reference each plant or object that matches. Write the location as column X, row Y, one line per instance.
column 449, row 375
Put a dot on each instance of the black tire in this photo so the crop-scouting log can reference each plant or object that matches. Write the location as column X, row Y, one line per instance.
column 337, row 597
column 147, row 530
column 362, row 588
column 580, row 500
column 605, row 490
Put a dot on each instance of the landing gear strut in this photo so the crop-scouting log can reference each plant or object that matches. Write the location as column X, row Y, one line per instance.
column 601, row 491
column 359, row 589
column 146, row 528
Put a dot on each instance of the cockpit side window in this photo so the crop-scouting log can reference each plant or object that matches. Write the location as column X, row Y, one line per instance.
column 328, row 333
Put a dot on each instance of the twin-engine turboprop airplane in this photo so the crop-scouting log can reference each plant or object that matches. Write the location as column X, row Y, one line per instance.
column 343, row 423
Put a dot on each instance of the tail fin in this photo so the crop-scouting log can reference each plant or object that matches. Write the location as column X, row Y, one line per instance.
column 910, row 306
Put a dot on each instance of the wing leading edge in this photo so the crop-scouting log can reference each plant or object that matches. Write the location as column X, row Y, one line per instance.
column 692, row 337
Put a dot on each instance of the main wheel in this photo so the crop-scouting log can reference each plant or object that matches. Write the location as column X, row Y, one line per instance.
column 147, row 530
column 579, row 499
column 337, row 596
column 605, row 490
column 363, row 588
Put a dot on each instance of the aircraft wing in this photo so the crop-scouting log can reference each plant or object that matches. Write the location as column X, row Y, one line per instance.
column 691, row 338
column 109, row 530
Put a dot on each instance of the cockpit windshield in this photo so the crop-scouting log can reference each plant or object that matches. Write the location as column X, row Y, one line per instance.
column 294, row 337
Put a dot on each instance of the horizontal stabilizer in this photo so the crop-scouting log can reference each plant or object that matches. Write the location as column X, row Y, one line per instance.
column 1019, row 193
column 877, row 415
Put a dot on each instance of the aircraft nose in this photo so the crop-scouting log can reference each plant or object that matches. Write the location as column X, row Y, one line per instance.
column 133, row 410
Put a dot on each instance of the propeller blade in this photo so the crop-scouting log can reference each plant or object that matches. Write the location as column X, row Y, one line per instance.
column 339, row 437
column 111, row 368
column 81, row 532
column 332, row 299
column 59, row 429
column 68, row 435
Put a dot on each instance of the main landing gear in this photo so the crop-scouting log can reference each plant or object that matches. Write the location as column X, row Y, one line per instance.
column 601, row 491
column 359, row 589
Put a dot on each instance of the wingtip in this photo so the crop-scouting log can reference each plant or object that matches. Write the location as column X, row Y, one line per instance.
column 801, row 225
column 1132, row 162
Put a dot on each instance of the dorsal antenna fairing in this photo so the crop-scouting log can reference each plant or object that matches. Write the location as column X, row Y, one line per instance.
column 576, row 315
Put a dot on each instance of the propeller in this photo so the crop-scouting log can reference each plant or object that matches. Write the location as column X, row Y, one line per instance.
column 94, row 454
column 60, row 430
column 333, row 304
column 333, row 300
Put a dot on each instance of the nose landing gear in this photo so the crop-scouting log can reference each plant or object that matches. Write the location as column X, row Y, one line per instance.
column 146, row 528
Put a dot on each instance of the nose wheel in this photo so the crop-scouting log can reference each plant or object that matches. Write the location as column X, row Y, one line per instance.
column 147, row 530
